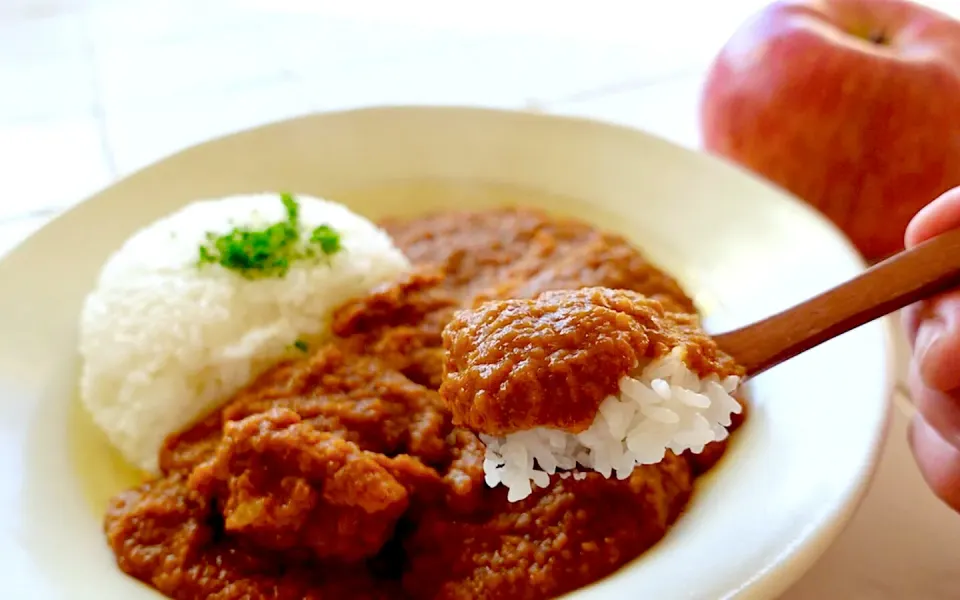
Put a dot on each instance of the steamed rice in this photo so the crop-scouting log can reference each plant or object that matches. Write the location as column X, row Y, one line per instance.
column 662, row 406
column 164, row 342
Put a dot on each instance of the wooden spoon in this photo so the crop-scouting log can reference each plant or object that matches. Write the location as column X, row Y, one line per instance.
column 921, row 272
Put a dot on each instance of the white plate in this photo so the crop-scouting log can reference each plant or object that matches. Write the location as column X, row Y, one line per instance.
column 787, row 486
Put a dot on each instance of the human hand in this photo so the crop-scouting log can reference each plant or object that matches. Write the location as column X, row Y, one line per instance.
column 933, row 328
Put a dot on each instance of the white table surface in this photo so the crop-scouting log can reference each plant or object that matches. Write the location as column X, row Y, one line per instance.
column 93, row 89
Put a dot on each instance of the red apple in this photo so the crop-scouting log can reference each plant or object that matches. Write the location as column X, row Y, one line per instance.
column 851, row 105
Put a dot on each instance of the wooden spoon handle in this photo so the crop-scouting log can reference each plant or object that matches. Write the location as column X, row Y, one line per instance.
column 905, row 278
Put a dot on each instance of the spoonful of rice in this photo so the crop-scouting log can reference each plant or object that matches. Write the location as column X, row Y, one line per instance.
column 604, row 380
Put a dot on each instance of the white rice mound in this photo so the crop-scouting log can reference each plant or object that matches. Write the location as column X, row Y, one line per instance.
column 662, row 406
column 163, row 342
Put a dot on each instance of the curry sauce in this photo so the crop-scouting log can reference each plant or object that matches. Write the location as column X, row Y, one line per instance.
column 342, row 475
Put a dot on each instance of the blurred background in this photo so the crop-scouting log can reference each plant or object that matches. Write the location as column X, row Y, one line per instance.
column 91, row 90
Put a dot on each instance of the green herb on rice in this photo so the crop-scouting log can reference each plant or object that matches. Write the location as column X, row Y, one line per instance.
column 269, row 252
column 301, row 345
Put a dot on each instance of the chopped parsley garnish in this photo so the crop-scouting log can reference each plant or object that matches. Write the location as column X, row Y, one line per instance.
column 327, row 238
column 293, row 209
column 269, row 252
column 301, row 345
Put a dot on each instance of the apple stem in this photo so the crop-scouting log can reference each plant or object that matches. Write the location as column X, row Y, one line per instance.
column 879, row 38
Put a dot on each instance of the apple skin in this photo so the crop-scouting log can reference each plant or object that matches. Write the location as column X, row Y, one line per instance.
column 866, row 131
